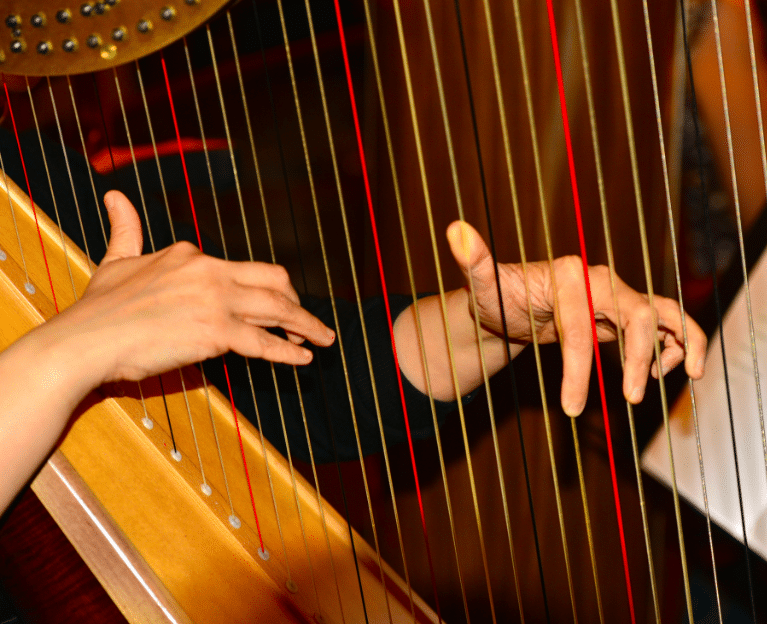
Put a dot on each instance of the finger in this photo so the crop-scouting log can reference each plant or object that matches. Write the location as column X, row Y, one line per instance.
column 639, row 336
column 670, row 319
column 259, row 343
column 471, row 254
column 671, row 356
column 577, row 343
column 270, row 308
column 263, row 275
column 126, row 239
column 295, row 338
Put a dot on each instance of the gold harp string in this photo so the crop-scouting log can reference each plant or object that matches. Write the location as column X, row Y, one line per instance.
column 747, row 291
column 419, row 326
column 175, row 454
column 325, row 263
column 85, row 155
column 454, row 173
column 760, row 122
column 675, row 255
column 69, row 173
column 612, row 273
column 291, row 584
column 205, row 487
column 146, row 421
column 320, row 501
column 354, row 420
column 650, row 291
column 50, row 186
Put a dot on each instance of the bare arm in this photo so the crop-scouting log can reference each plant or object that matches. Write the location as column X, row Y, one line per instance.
column 140, row 316
column 639, row 321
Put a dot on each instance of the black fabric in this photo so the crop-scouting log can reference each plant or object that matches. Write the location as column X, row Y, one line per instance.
column 326, row 401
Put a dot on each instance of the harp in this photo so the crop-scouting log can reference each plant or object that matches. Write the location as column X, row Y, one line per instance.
column 577, row 564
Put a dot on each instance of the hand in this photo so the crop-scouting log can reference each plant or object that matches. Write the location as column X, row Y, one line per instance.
column 572, row 327
column 143, row 315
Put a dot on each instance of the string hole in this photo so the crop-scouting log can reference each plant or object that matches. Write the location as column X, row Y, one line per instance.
column 100, row 8
column 206, row 489
column 175, row 454
column 235, row 521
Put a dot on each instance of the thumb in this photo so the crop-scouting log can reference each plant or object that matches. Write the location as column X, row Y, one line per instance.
column 471, row 253
column 126, row 239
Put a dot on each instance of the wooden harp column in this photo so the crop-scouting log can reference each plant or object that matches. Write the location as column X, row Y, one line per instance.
column 323, row 584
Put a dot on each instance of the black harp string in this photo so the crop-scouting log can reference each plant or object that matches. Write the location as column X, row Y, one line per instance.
column 308, row 165
column 473, row 303
column 176, row 455
column 245, row 227
column 116, row 174
column 409, row 266
column 205, row 487
column 675, row 255
column 717, row 301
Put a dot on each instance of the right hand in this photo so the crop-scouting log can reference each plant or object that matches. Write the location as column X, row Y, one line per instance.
column 144, row 315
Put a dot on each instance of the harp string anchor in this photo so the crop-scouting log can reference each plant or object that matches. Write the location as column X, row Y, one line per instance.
column 264, row 554
column 147, row 422
column 29, row 287
column 3, row 255
column 206, row 489
column 176, row 454
column 291, row 586
column 235, row 521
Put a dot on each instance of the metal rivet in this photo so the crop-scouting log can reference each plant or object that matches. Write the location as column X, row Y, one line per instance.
column 100, row 8
column 38, row 20
column 86, row 9
column 13, row 21
column 167, row 13
column 63, row 16
column 16, row 32
column 69, row 45
column 192, row 2
column 94, row 41
column 44, row 47
column 144, row 26
column 118, row 34
column 18, row 45
column 111, row 3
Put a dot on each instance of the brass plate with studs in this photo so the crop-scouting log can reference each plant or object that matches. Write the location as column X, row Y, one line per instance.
column 33, row 33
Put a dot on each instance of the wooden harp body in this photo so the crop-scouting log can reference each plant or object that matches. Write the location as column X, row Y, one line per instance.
column 186, row 557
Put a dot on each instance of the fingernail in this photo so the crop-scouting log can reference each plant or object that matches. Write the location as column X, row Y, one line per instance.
column 331, row 335
column 573, row 409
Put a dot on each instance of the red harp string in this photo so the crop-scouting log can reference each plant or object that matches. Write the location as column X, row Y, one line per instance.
column 594, row 337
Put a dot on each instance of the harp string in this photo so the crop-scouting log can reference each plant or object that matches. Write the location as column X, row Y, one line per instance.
column 69, row 173
column 736, row 201
column 50, row 186
column 406, row 247
column 15, row 226
column 320, row 501
column 379, row 418
column 597, row 356
column 31, row 201
column 675, row 255
column 290, row 583
column 205, row 487
column 233, row 518
column 612, row 273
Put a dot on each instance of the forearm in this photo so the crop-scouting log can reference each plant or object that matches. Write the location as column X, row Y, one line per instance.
column 41, row 384
column 452, row 357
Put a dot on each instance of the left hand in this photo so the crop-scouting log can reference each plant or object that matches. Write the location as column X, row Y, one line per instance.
column 569, row 322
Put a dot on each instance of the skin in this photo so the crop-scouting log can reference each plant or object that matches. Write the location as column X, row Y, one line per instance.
column 143, row 315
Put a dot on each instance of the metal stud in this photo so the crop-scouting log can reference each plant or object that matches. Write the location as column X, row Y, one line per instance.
column 144, row 26
column 63, row 16
column 18, row 45
column 119, row 34
column 38, row 20
column 167, row 13
column 69, row 45
column 93, row 41
column 13, row 21
column 86, row 10
column 44, row 47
